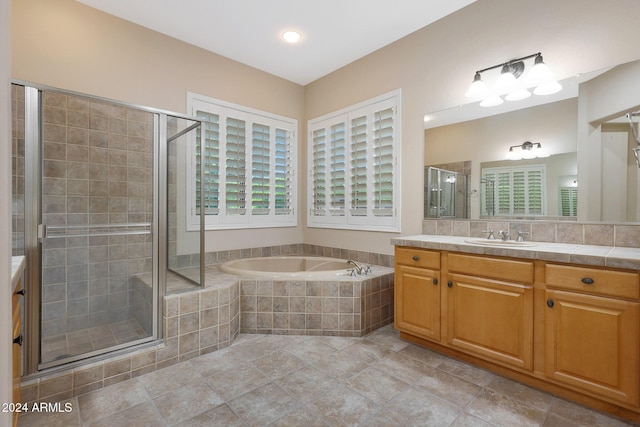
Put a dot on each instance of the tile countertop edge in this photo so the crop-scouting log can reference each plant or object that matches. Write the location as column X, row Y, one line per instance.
column 620, row 257
column 17, row 268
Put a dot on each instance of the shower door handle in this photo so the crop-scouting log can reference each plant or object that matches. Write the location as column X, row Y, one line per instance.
column 42, row 231
column 93, row 230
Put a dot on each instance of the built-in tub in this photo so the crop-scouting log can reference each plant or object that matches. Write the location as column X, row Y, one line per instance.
column 303, row 267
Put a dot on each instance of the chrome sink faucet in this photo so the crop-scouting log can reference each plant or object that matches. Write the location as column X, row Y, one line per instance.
column 504, row 235
column 490, row 236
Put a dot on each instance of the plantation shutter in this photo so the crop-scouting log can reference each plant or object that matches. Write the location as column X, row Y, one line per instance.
column 535, row 203
column 488, row 195
column 383, row 162
column 319, row 174
column 568, row 201
column 518, row 190
column 210, row 163
column 359, row 166
column 503, row 193
column 283, row 187
column 249, row 166
column 236, row 167
column 260, row 179
column 353, row 156
column 338, row 168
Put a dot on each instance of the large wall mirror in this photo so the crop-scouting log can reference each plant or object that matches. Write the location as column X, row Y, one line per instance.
column 586, row 169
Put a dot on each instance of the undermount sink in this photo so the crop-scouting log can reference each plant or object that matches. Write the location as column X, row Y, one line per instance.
column 498, row 242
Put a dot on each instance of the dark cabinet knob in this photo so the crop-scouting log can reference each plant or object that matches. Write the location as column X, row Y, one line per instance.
column 450, row 283
column 435, row 281
column 550, row 303
column 21, row 292
column 415, row 258
column 19, row 340
column 588, row 280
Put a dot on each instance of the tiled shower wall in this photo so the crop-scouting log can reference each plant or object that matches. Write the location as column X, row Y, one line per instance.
column 17, row 154
column 97, row 170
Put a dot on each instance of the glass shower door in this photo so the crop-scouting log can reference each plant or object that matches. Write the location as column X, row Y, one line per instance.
column 98, row 288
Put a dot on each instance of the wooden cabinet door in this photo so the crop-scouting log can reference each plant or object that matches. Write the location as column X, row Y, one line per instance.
column 491, row 319
column 17, row 350
column 592, row 343
column 417, row 301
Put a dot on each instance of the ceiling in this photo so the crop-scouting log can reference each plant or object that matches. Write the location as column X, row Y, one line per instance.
column 334, row 32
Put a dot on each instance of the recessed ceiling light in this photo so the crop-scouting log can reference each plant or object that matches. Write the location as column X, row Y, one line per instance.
column 291, row 36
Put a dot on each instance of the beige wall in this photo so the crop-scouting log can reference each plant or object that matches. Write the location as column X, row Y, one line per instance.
column 5, row 213
column 608, row 96
column 67, row 45
column 435, row 65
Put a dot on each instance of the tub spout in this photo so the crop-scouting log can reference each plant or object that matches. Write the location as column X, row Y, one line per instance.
column 360, row 268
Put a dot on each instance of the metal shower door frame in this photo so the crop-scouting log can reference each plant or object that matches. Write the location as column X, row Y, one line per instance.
column 34, row 232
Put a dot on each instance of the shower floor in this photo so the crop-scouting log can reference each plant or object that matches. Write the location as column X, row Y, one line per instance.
column 86, row 340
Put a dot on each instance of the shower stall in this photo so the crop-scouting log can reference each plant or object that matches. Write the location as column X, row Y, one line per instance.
column 445, row 193
column 95, row 184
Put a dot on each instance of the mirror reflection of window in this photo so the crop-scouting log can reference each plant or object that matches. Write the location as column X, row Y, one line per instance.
column 519, row 190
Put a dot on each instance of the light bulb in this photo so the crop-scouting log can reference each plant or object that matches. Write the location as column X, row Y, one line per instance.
column 548, row 88
column 518, row 94
column 506, row 82
column 291, row 36
column 478, row 89
column 539, row 73
column 491, row 101
column 529, row 153
column 513, row 155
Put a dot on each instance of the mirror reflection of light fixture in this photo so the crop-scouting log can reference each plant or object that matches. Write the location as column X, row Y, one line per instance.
column 509, row 84
column 526, row 150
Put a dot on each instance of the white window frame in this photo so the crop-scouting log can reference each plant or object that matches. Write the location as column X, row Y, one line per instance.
column 333, row 212
column 487, row 173
column 223, row 218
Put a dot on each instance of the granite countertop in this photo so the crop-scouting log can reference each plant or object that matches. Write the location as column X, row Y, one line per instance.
column 18, row 264
column 609, row 256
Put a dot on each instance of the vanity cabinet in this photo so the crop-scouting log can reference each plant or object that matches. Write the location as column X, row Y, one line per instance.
column 592, row 331
column 417, row 292
column 490, row 308
column 569, row 329
column 17, row 345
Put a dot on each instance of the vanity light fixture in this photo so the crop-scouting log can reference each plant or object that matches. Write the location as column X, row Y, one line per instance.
column 510, row 84
column 526, row 150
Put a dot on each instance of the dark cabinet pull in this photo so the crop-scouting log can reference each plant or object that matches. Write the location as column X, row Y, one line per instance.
column 435, row 281
column 550, row 303
column 21, row 292
column 587, row 280
column 18, row 340
column 415, row 258
column 450, row 284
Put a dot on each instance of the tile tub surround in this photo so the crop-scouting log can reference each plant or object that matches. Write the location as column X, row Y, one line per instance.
column 346, row 306
column 377, row 380
column 203, row 321
column 571, row 232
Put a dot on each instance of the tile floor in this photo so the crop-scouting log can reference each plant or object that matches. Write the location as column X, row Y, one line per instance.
column 95, row 338
column 275, row 380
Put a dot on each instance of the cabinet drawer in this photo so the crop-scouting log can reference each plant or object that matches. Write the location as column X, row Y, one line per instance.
column 418, row 257
column 494, row 268
column 602, row 282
